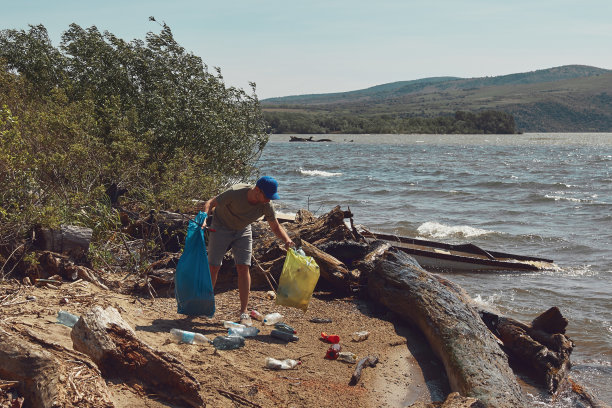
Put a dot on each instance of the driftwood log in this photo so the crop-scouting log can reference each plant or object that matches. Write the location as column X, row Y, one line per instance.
column 114, row 347
column 475, row 364
column 369, row 361
column 49, row 375
column 331, row 269
column 69, row 239
column 50, row 263
column 541, row 345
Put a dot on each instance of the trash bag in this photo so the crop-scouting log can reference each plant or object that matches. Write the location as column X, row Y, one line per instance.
column 297, row 281
column 192, row 284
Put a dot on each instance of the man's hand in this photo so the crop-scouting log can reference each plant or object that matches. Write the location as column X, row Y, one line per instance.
column 289, row 244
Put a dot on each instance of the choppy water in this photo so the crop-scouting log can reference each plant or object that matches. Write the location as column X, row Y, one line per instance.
column 547, row 195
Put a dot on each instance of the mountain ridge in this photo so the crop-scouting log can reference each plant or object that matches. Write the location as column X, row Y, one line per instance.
column 564, row 98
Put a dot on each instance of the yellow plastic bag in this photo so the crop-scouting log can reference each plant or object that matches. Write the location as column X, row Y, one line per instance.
column 297, row 281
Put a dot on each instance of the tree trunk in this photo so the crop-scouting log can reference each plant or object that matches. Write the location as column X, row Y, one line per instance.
column 475, row 364
column 114, row 347
column 69, row 239
column 48, row 374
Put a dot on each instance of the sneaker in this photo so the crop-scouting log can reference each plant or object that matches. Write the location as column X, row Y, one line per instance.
column 246, row 319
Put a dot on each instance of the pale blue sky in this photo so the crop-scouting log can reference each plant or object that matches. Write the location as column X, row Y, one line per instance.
column 290, row 47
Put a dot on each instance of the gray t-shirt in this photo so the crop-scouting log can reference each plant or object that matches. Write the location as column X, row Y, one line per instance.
column 234, row 210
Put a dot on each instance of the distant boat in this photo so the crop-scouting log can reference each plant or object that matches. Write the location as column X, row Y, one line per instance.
column 307, row 139
column 433, row 255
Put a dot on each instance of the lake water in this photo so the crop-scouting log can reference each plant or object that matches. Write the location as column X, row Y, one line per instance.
column 546, row 195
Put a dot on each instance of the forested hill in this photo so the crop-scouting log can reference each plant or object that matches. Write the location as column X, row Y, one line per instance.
column 563, row 99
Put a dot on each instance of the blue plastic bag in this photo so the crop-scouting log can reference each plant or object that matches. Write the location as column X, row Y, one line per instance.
column 192, row 284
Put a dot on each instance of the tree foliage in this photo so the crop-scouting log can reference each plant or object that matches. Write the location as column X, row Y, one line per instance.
column 462, row 122
column 99, row 111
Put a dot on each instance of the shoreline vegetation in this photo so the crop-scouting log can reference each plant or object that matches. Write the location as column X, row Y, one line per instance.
column 485, row 122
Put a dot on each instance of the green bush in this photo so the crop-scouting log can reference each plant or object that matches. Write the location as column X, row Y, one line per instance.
column 142, row 116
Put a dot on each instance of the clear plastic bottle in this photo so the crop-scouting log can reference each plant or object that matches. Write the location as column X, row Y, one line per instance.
column 228, row 342
column 283, row 335
column 67, row 319
column 284, row 327
column 286, row 364
column 228, row 324
column 188, row 337
column 243, row 331
column 256, row 315
column 360, row 335
column 347, row 357
column 272, row 318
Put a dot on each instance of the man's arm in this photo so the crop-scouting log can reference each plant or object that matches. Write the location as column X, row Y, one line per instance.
column 280, row 232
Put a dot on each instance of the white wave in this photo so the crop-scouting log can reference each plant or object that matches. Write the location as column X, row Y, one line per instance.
column 489, row 301
column 572, row 199
column 437, row 230
column 318, row 173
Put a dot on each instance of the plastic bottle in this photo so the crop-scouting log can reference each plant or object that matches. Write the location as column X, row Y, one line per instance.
column 243, row 331
column 272, row 318
column 228, row 342
column 188, row 337
column 67, row 319
column 256, row 315
column 360, row 335
column 347, row 357
column 333, row 351
column 286, row 364
column 227, row 324
column 283, row 335
column 284, row 327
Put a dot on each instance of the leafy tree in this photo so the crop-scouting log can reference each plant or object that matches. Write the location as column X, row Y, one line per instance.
column 98, row 111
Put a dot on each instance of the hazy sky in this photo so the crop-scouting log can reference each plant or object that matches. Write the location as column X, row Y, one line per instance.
column 311, row 46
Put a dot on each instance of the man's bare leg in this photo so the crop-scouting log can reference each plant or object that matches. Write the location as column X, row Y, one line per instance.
column 244, row 286
column 214, row 272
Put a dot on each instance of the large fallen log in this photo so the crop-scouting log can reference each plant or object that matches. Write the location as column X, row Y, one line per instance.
column 475, row 364
column 113, row 346
column 49, row 375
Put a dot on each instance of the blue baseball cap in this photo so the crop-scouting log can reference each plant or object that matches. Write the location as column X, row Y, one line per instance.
column 269, row 186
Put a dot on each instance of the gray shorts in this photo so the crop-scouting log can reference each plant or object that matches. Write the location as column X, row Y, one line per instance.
column 220, row 238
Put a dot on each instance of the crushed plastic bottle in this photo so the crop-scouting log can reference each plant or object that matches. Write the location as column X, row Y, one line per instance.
column 284, row 327
column 256, row 315
column 228, row 324
column 320, row 320
column 228, row 342
column 67, row 319
column 272, row 318
column 283, row 335
column 243, row 331
column 286, row 364
column 360, row 335
column 188, row 337
column 333, row 351
column 347, row 357
column 330, row 338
